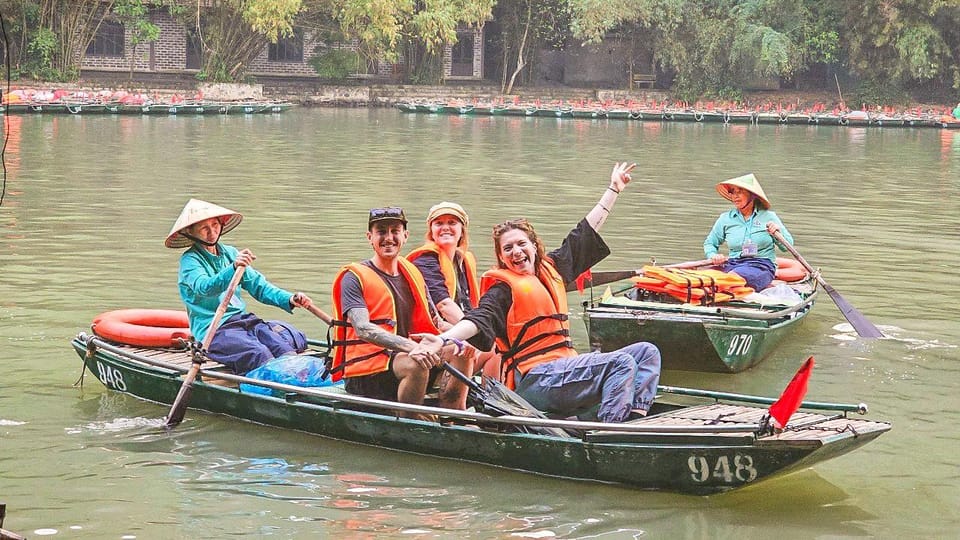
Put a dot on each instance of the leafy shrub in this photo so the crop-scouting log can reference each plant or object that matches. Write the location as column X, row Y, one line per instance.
column 336, row 64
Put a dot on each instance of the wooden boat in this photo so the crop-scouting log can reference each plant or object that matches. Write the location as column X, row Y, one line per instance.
column 769, row 118
column 884, row 120
column 619, row 114
column 796, row 118
column 855, row 119
column 723, row 338
column 693, row 441
column 587, row 112
column 738, row 117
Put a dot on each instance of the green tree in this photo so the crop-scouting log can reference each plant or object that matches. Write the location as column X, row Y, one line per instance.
column 234, row 32
column 903, row 43
column 58, row 35
column 526, row 27
column 134, row 15
column 715, row 47
column 414, row 30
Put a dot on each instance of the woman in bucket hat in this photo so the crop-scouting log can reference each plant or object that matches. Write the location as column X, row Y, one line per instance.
column 243, row 341
column 748, row 231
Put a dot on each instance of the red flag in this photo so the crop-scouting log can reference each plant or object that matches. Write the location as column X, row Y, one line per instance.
column 582, row 278
column 789, row 401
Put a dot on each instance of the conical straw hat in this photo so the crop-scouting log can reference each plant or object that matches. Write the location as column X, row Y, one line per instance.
column 748, row 182
column 196, row 211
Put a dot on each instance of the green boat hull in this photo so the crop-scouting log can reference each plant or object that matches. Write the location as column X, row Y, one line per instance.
column 697, row 463
column 694, row 339
column 198, row 108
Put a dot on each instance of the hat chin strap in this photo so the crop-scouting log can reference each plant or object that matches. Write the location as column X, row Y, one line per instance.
column 200, row 241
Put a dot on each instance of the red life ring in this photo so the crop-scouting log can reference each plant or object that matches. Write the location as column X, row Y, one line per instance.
column 144, row 327
column 790, row 270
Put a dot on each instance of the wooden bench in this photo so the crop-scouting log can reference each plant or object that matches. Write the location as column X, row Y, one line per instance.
column 640, row 79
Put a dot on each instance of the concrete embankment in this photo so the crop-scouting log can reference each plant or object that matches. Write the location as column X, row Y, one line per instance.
column 309, row 93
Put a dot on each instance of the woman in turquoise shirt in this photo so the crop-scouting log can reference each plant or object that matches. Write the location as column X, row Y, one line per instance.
column 243, row 341
column 748, row 232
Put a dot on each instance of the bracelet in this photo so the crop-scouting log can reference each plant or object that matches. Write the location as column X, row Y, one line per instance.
column 617, row 191
column 456, row 343
column 600, row 204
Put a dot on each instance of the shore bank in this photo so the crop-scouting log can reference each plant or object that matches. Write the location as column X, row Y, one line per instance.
column 310, row 93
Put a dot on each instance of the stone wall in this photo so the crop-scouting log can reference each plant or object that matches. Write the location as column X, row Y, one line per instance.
column 310, row 93
column 168, row 54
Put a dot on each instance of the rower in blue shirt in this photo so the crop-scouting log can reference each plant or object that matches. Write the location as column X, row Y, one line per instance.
column 243, row 341
column 748, row 231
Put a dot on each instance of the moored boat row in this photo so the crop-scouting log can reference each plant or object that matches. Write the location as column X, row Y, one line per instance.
column 163, row 108
column 660, row 113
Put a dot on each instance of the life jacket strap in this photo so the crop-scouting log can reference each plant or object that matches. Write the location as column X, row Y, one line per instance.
column 346, row 363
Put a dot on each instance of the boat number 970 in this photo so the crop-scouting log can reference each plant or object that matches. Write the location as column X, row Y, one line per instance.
column 111, row 377
column 740, row 468
column 740, row 344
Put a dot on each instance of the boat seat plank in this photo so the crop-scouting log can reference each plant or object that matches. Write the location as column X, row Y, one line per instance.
column 180, row 358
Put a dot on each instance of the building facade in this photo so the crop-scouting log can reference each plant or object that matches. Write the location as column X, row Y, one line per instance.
column 178, row 50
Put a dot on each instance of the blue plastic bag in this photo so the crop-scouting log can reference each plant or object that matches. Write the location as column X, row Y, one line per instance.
column 295, row 370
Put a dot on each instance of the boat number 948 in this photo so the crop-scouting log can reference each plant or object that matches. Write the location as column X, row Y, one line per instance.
column 740, row 344
column 728, row 470
column 111, row 377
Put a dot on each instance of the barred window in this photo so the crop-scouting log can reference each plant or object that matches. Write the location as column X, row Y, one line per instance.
column 108, row 41
column 287, row 49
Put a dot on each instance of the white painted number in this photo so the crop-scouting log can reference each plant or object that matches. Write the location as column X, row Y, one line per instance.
column 111, row 377
column 742, row 470
column 740, row 345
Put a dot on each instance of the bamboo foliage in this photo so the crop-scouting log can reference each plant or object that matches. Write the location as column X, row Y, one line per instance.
column 73, row 24
column 234, row 33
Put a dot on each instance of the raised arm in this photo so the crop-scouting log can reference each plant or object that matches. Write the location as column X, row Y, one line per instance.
column 619, row 179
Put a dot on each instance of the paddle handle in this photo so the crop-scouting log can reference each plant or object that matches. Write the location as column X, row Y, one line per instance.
column 321, row 314
column 690, row 264
column 179, row 407
column 222, row 308
column 604, row 277
column 796, row 255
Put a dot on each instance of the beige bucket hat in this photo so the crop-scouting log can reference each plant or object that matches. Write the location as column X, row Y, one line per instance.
column 196, row 211
column 448, row 208
column 748, row 182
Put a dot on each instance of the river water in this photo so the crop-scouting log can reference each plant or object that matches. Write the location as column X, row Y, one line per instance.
column 90, row 199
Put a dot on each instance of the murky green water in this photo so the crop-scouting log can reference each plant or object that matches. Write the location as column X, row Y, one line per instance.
column 90, row 199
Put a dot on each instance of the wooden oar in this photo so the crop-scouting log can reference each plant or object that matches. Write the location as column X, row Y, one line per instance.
column 863, row 327
column 602, row 278
column 179, row 408
column 321, row 314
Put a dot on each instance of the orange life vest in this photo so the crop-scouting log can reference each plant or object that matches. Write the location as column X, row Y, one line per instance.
column 703, row 287
column 353, row 357
column 449, row 272
column 537, row 327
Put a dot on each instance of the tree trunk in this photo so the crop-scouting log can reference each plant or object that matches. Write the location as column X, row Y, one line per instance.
column 521, row 63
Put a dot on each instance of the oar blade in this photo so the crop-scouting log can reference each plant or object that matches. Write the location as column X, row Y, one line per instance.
column 501, row 401
column 857, row 320
column 179, row 408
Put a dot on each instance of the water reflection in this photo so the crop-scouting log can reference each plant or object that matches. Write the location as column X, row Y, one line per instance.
column 93, row 198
